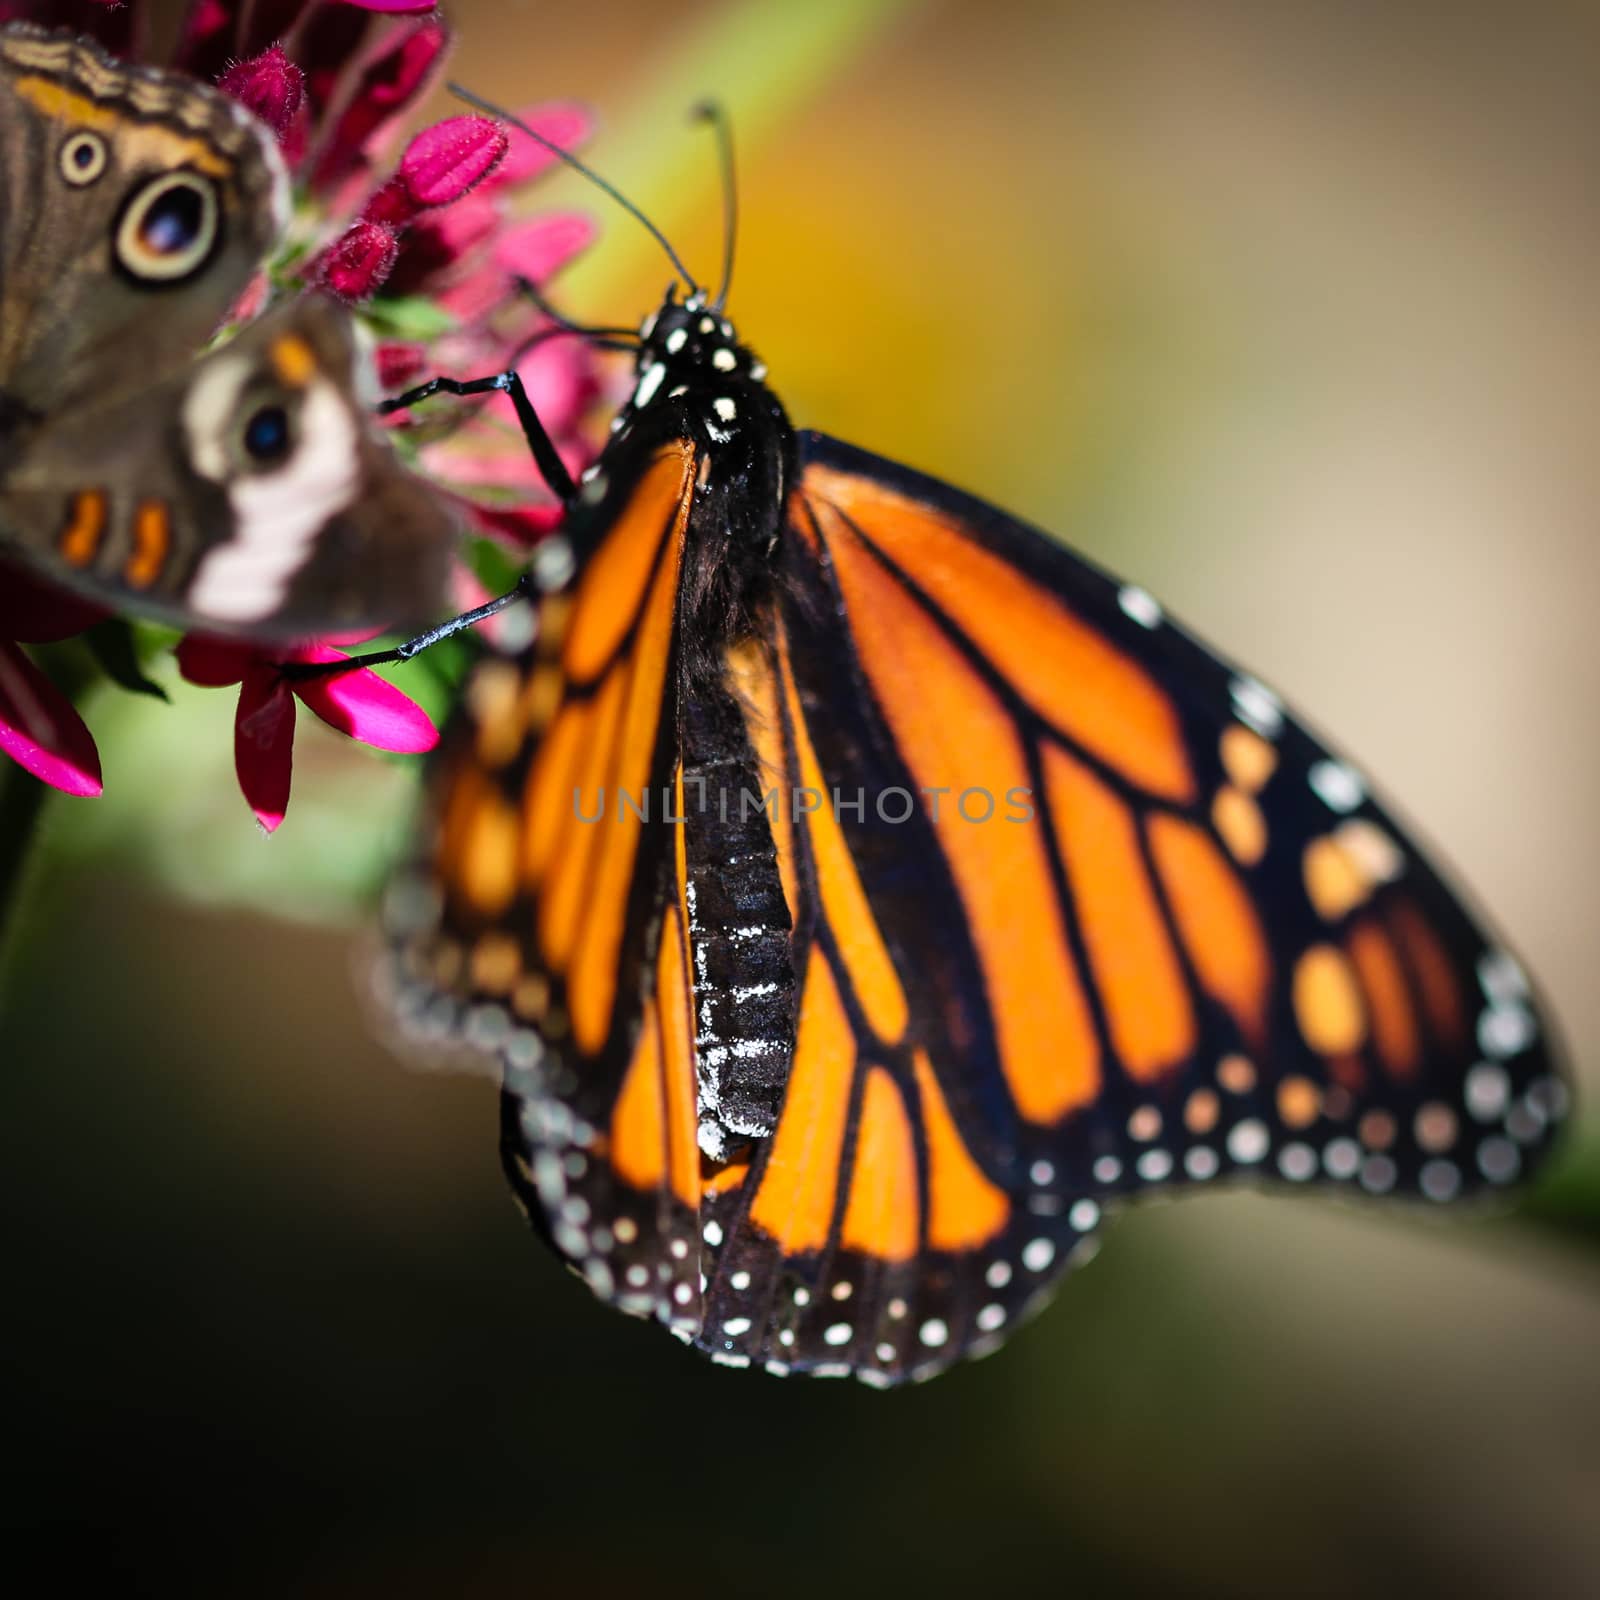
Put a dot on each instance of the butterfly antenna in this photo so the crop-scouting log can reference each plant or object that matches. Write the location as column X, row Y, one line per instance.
column 593, row 332
column 490, row 109
column 713, row 112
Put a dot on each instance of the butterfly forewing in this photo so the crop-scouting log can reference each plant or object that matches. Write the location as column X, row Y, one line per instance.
column 559, row 933
column 1249, row 964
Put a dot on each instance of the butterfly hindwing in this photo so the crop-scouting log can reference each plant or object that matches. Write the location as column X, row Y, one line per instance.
column 247, row 492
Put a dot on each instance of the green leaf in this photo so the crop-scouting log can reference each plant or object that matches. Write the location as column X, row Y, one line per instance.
column 114, row 646
column 414, row 318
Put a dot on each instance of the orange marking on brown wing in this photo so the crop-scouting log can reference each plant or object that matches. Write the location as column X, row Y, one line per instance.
column 78, row 543
column 952, row 729
column 488, row 867
column 547, row 798
column 473, row 843
column 1435, row 973
column 674, row 991
column 1394, row 1023
column 844, row 901
column 754, row 683
column 1328, row 1007
column 795, row 1201
column 1216, row 920
column 616, row 579
column 152, row 541
column 580, row 839
column 1141, row 981
column 881, row 1217
column 797, row 518
column 638, row 1119
column 965, row 1209
column 593, row 983
column 1064, row 668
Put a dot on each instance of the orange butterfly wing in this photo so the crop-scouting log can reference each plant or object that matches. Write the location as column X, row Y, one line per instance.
column 1077, row 910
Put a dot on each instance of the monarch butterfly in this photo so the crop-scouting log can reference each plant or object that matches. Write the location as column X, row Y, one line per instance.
column 862, row 894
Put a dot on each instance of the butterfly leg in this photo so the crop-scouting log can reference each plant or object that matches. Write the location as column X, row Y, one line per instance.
column 529, row 584
column 525, row 588
column 545, row 454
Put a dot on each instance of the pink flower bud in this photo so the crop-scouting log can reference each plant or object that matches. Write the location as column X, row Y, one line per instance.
column 356, row 264
column 446, row 160
column 391, row 204
column 270, row 85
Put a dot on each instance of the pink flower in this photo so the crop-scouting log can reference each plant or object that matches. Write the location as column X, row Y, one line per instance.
column 361, row 704
column 438, row 230
column 271, row 86
column 419, row 240
column 39, row 729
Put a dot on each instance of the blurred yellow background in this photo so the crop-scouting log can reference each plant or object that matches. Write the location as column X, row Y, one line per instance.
column 1286, row 313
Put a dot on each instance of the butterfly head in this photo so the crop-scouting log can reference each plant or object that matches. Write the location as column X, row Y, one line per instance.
column 690, row 348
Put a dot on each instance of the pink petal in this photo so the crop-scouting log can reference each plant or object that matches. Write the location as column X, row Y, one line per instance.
column 357, row 263
column 519, row 527
column 368, row 708
column 40, row 730
column 392, row 5
column 213, row 663
column 437, row 241
column 36, row 612
column 263, row 743
column 443, row 162
column 471, row 298
column 270, row 85
column 537, row 248
column 566, row 125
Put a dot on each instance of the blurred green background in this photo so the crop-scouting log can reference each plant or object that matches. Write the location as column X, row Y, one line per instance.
column 1287, row 313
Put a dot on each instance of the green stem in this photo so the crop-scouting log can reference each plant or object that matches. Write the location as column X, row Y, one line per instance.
column 22, row 800
column 73, row 670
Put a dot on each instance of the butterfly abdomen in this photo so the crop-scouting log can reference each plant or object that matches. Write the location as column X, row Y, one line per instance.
column 739, row 931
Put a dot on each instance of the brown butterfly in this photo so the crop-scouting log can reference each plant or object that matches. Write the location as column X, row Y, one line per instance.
column 244, row 490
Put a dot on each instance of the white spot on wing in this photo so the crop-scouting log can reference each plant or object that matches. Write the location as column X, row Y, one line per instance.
column 1256, row 705
column 1336, row 785
column 1140, row 605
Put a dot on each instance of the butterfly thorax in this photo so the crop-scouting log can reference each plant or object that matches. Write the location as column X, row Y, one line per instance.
column 698, row 383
